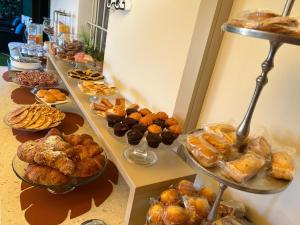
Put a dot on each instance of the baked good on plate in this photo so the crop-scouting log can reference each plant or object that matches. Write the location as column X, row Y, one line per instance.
column 134, row 136
column 120, row 129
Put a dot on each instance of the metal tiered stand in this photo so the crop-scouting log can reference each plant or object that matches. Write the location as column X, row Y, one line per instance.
column 262, row 183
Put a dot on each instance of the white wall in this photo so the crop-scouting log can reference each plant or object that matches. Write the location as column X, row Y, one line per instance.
column 146, row 50
column 278, row 109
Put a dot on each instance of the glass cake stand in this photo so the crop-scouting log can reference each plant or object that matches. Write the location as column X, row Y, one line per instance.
column 19, row 168
column 140, row 154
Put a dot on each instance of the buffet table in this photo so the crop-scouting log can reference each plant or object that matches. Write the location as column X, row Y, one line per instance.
column 23, row 204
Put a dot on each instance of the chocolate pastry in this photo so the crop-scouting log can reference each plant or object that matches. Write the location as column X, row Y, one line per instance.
column 129, row 122
column 120, row 129
column 153, row 140
column 134, row 137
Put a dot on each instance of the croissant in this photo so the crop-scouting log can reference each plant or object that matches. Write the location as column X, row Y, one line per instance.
column 73, row 139
column 89, row 166
column 56, row 160
column 45, row 175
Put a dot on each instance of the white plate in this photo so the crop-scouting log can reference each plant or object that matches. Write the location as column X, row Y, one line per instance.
column 41, row 100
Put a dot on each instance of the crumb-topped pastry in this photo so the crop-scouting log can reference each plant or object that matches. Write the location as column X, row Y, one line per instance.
column 162, row 115
column 146, row 121
column 154, row 129
column 171, row 121
column 175, row 129
column 136, row 116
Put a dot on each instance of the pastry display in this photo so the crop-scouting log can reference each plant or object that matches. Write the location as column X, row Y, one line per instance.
column 282, row 166
column 86, row 75
column 51, row 96
column 96, row 88
column 35, row 78
column 267, row 21
column 57, row 159
column 183, row 204
column 214, row 146
column 34, row 117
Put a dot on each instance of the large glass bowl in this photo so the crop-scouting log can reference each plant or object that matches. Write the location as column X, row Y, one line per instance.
column 19, row 169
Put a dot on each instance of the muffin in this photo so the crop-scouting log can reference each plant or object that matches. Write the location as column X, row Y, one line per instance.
column 170, row 197
column 130, row 111
column 136, row 116
column 120, row 129
column 129, row 122
column 171, row 121
column 112, row 119
column 155, row 214
column 153, row 140
column 168, row 137
column 175, row 129
column 154, row 129
column 174, row 214
column 162, row 115
column 146, row 121
column 144, row 111
column 139, row 127
column 160, row 123
column 134, row 137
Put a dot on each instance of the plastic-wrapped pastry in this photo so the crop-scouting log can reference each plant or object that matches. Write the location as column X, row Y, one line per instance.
column 260, row 146
column 282, row 166
column 176, row 215
column 170, row 197
column 222, row 128
column 209, row 194
column 203, row 153
column 244, row 168
column 198, row 208
column 231, row 220
column 155, row 214
column 45, row 175
column 56, row 160
column 217, row 141
column 233, row 208
column 185, row 187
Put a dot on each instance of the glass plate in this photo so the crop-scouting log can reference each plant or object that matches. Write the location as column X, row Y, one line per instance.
column 19, row 167
column 12, row 74
column 32, row 130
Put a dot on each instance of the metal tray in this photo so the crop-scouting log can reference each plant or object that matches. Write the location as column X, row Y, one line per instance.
column 275, row 37
column 262, row 183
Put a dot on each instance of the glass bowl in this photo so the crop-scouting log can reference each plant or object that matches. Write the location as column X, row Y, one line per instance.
column 19, row 167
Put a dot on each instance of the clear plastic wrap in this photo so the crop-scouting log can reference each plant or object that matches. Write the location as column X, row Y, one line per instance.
column 203, row 153
column 155, row 214
column 176, row 215
column 186, row 187
column 208, row 193
column 233, row 208
column 260, row 146
column 231, row 220
column 198, row 208
column 244, row 168
column 170, row 197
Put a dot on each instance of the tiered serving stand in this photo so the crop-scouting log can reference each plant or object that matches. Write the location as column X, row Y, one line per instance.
column 262, row 183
